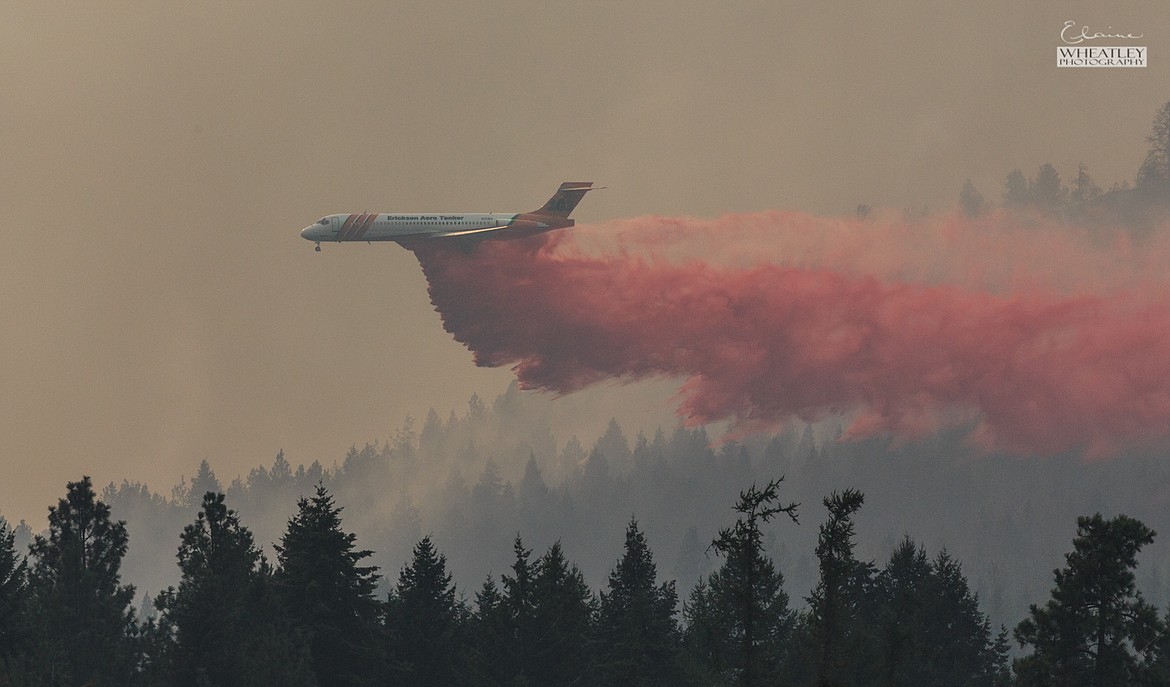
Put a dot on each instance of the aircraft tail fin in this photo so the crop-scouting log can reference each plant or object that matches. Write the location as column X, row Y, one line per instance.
column 566, row 198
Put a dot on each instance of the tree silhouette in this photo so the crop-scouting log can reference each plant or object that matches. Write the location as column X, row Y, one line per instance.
column 84, row 621
column 204, row 481
column 838, row 602
column 1046, row 190
column 226, row 621
column 1016, row 193
column 491, row 658
column 637, row 632
column 743, row 602
column 1096, row 629
column 971, row 200
column 931, row 629
column 1084, row 188
column 328, row 594
column 562, row 616
column 1153, row 177
column 424, row 619
column 518, row 608
column 13, row 605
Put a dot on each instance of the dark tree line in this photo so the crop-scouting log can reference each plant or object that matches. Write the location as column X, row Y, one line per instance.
column 473, row 483
column 1081, row 198
column 314, row 616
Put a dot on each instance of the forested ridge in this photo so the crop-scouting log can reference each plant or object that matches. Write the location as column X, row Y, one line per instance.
column 669, row 559
column 476, row 479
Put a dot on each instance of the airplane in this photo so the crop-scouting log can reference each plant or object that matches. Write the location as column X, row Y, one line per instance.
column 406, row 228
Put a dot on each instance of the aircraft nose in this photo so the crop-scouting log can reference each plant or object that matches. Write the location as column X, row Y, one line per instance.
column 307, row 233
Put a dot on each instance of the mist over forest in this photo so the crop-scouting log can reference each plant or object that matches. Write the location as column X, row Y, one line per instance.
column 478, row 478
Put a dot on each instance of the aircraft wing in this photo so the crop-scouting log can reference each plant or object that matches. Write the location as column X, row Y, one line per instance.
column 465, row 232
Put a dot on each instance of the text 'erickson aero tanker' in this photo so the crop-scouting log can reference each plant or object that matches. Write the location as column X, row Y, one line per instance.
column 414, row 227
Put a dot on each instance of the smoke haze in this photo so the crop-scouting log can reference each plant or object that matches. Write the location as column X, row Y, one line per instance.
column 159, row 307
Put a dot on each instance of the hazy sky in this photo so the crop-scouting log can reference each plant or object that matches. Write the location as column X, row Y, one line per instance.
column 158, row 161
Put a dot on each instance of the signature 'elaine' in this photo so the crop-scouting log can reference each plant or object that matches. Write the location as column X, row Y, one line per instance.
column 1068, row 35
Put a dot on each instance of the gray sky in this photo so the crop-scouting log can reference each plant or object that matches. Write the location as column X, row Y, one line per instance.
column 158, row 161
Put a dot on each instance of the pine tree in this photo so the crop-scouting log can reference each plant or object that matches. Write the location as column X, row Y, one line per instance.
column 563, row 608
column 13, row 605
column 476, row 410
column 327, row 593
column 837, row 606
column 430, row 438
column 901, row 585
column 708, row 648
column 533, row 490
column 1096, row 629
column 424, row 619
column 971, row 200
column 519, row 610
column 637, row 631
column 931, row 629
column 1046, row 189
column 1153, row 177
column 203, row 482
column 226, row 621
column 746, row 598
column 1016, row 193
column 83, row 618
column 490, row 657
column 1158, row 672
column 613, row 444
column 1084, row 188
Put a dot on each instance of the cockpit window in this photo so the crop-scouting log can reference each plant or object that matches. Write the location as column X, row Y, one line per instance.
column 323, row 220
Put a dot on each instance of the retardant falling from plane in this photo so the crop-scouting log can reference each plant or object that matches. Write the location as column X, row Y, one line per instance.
column 1042, row 369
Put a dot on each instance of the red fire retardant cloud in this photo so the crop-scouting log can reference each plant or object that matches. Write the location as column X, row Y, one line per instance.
column 760, row 344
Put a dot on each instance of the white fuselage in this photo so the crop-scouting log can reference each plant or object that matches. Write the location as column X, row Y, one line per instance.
column 405, row 226
column 410, row 228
